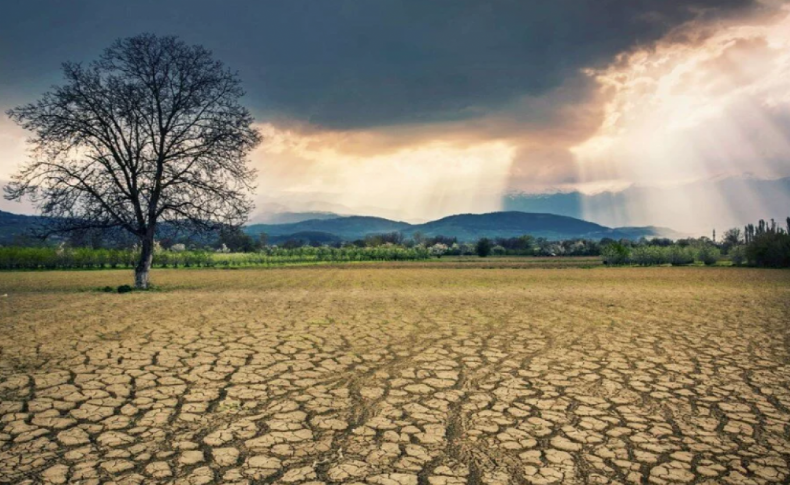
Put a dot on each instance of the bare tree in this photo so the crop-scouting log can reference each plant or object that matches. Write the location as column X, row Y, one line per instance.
column 150, row 133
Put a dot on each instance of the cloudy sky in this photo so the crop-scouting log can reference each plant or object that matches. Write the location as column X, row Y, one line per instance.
column 418, row 109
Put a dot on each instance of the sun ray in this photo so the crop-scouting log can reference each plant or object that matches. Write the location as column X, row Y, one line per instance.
column 693, row 111
column 421, row 181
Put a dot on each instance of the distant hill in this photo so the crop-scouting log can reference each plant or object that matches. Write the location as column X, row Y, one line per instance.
column 347, row 228
column 14, row 226
column 509, row 224
column 307, row 237
column 465, row 227
column 19, row 229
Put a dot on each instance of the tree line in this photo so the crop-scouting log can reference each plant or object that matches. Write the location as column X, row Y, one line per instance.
column 51, row 258
column 765, row 244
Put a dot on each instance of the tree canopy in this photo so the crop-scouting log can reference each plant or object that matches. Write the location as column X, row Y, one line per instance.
column 150, row 132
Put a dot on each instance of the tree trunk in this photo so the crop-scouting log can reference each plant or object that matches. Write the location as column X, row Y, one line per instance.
column 143, row 268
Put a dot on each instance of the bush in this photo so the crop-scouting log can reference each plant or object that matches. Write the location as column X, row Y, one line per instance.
column 438, row 250
column 483, row 247
column 15, row 258
column 498, row 250
column 454, row 250
column 124, row 289
column 708, row 254
column 649, row 256
column 738, row 255
column 468, row 249
column 680, row 256
column 615, row 254
column 770, row 250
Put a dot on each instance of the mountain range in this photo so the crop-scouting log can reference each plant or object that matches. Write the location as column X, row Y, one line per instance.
column 694, row 208
column 465, row 227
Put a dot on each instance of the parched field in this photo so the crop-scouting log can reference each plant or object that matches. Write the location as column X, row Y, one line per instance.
column 398, row 374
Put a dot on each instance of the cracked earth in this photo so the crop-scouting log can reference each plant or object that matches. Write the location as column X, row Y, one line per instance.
column 397, row 376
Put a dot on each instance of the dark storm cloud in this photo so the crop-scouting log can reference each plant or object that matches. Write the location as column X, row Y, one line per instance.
column 348, row 64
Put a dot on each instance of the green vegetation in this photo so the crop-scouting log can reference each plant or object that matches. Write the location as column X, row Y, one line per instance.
column 771, row 250
column 763, row 245
column 647, row 254
column 681, row 255
column 615, row 254
column 708, row 254
column 483, row 247
column 84, row 258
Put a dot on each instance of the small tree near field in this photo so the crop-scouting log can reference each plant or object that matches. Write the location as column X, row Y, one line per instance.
column 616, row 253
column 483, row 247
column 150, row 133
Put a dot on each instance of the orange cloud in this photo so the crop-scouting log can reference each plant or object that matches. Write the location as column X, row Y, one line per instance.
column 418, row 180
column 432, row 170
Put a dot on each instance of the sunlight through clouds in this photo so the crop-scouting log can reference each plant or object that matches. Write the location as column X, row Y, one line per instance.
column 419, row 181
column 691, row 109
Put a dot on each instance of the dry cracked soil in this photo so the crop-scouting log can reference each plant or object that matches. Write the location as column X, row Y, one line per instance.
column 397, row 375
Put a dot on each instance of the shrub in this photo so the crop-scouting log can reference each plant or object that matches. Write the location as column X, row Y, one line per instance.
column 454, row 250
column 738, row 255
column 71, row 258
column 483, row 247
column 680, row 256
column 468, row 249
column 124, row 289
column 708, row 254
column 649, row 255
column 438, row 250
column 498, row 250
column 615, row 254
